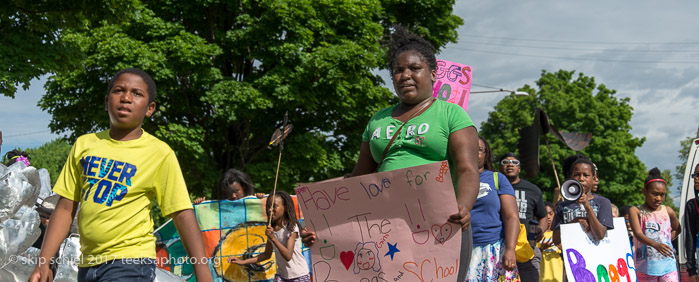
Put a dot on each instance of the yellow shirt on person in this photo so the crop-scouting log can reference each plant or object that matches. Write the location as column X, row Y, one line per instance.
column 551, row 267
column 115, row 183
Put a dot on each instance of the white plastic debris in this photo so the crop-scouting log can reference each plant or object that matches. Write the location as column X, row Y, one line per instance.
column 19, row 185
column 166, row 276
column 68, row 259
column 45, row 180
column 19, row 222
column 18, row 233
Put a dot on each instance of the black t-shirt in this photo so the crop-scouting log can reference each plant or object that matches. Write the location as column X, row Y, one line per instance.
column 530, row 202
column 567, row 211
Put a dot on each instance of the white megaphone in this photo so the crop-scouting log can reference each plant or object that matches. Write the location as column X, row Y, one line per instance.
column 571, row 190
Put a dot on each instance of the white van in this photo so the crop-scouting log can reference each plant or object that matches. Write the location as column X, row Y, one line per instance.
column 687, row 192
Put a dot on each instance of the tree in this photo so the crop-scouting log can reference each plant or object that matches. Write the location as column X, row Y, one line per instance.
column 575, row 105
column 30, row 36
column 683, row 153
column 227, row 71
column 51, row 156
column 667, row 175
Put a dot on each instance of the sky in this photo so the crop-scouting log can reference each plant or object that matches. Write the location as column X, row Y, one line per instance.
column 647, row 51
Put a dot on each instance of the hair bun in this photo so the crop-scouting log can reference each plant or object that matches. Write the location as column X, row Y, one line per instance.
column 654, row 172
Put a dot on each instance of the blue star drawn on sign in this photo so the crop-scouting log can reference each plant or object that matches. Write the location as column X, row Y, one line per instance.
column 392, row 249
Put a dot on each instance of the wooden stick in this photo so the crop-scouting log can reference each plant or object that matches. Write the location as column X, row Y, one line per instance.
column 269, row 220
column 557, row 190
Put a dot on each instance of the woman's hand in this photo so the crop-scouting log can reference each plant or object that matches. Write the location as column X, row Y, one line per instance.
column 509, row 259
column 463, row 218
column 199, row 200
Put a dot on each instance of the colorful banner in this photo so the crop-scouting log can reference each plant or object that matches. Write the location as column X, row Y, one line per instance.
column 609, row 259
column 229, row 228
column 453, row 83
column 388, row 226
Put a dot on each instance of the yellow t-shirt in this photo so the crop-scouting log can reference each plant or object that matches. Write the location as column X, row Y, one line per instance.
column 551, row 267
column 115, row 183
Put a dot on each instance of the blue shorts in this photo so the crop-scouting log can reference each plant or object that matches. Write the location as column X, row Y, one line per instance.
column 131, row 269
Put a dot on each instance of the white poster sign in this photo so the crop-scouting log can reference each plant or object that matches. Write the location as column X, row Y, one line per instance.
column 609, row 259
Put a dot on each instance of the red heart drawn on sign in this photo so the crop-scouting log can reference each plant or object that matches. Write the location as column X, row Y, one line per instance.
column 347, row 258
column 441, row 233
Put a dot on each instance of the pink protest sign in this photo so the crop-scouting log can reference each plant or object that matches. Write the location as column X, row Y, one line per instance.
column 386, row 226
column 453, row 83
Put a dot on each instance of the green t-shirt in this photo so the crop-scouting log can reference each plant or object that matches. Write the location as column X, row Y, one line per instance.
column 423, row 139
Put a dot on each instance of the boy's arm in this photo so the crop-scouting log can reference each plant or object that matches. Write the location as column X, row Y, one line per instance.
column 188, row 228
column 59, row 226
column 598, row 230
column 555, row 226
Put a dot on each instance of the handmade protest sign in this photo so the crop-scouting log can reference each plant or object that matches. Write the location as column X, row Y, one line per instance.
column 609, row 259
column 387, row 226
column 453, row 83
column 229, row 228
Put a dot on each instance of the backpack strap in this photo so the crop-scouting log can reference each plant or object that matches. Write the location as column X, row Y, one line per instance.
column 495, row 179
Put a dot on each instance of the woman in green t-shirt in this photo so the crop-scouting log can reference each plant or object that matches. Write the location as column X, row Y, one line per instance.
column 432, row 130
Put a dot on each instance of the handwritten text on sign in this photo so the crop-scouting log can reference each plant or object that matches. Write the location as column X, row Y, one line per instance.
column 453, row 83
column 609, row 259
column 387, row 226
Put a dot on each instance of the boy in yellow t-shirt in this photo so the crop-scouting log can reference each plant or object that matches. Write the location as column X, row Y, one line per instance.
column 115, row 175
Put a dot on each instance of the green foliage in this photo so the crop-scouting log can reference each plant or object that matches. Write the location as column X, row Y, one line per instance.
column 683, row 153
column 227, row 71
column 574, row 105
column 51, row 156
column 30, row 36
column 667, row 175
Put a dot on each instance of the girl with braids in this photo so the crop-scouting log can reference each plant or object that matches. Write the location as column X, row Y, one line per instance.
column 654, row 227
column 282, row 238
column 691, row 222
column 421, row 130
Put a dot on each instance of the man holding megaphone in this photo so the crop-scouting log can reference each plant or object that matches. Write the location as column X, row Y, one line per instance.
column 593, row 212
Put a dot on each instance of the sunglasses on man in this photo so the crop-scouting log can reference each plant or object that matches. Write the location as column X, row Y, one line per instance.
column 506, row 162
column 695, row 175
